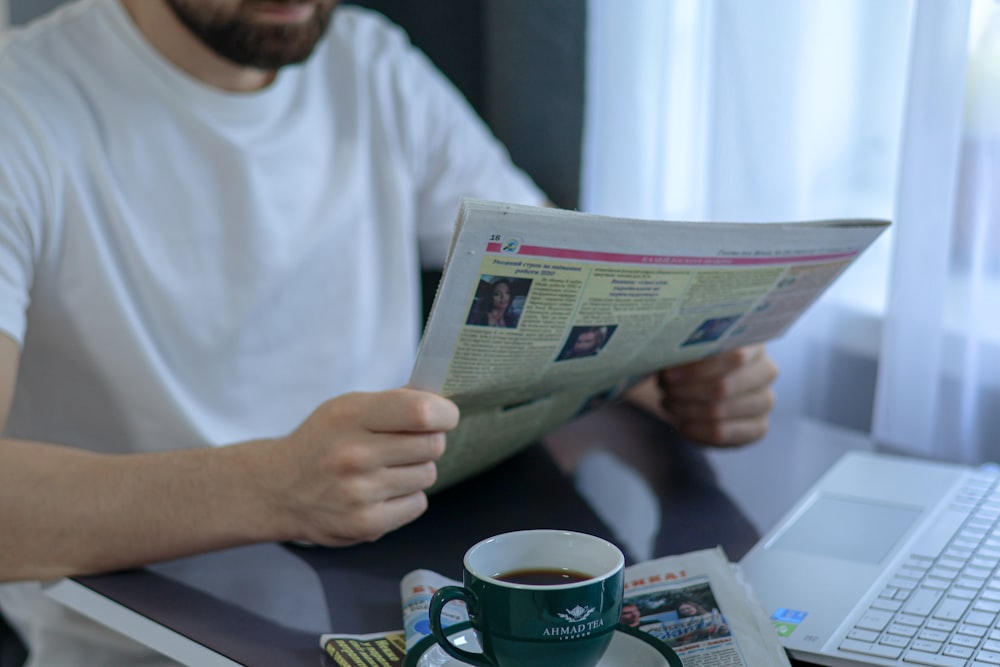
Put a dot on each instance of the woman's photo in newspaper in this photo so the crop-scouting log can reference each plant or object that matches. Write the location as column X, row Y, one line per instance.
column 498, row 301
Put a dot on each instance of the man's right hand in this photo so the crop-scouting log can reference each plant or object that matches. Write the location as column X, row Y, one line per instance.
column 358, row 467
column 355, row 469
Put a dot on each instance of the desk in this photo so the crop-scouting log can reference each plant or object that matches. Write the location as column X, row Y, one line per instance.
column 267, row 604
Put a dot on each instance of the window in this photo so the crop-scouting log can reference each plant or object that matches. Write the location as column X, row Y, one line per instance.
column 778, row 110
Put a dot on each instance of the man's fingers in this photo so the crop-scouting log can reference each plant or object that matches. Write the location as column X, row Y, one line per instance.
column 721, row 400
column 759, row 371
column 364, row 461
column 385, row 450
column 743, row 406
column 407, row 411
column 375, row 520
column 395, row 482
column 714, row 366
column 729, row 433
column 371, row 505
column 409, row 449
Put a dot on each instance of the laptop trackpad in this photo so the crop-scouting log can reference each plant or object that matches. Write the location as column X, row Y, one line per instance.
column 847, row 528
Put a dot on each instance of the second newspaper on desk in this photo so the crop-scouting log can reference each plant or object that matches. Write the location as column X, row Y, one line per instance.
column 543, row 314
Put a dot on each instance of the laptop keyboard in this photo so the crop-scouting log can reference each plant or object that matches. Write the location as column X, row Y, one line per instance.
column 942, row 608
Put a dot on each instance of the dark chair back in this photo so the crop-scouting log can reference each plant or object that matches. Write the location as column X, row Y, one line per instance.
column 12, row 651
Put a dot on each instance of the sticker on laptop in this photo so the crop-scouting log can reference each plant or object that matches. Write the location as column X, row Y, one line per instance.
column 786, row 620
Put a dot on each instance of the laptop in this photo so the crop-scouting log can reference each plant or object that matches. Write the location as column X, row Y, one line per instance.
column 886, row 560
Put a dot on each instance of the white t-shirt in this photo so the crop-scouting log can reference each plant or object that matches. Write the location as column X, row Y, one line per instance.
column 189, row 267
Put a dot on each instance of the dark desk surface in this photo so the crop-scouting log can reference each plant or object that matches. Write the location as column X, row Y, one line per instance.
column 267, row 604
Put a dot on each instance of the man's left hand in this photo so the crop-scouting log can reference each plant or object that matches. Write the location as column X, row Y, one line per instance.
column 722, row 400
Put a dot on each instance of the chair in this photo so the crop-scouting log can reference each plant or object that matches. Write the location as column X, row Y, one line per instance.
column 12, row 651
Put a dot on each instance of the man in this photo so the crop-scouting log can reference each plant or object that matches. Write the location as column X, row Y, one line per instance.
column 201, row 245
column 631, row 615
column 587, row 342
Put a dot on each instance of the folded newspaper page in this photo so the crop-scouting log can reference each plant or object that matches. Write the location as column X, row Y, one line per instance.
column 543, row 314
column 696, row 603
column 383, row 649
column 699, row 605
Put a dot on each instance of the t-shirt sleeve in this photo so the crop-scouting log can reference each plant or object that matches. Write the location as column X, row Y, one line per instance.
column 22, row 187
column 453, row 154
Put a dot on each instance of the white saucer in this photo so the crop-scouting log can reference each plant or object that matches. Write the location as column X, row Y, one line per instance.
column 629, row 646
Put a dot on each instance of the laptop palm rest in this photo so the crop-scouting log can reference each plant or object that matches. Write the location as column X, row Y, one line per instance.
column 838, row 546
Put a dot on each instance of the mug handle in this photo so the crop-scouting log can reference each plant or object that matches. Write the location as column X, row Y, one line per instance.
column 441, row 597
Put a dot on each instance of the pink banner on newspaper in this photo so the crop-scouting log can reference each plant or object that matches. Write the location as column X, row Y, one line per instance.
column 677, row 260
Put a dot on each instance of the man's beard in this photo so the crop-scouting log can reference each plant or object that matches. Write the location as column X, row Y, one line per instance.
column 243, row 41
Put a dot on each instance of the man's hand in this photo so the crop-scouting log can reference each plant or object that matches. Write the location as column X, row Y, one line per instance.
column 354, row 470
column 721, row 400
column 358, row 467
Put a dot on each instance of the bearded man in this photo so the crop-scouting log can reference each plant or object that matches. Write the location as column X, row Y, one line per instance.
column 213, row 214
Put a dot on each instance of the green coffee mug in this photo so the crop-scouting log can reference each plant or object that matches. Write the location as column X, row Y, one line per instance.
column 537, row 598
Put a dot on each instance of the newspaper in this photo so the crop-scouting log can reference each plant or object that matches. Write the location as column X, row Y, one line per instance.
column 696, row 602
column 543, row 314
column 382, row 649
column 700, row 605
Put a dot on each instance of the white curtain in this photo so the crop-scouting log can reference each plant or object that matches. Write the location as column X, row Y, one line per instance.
column 782, row 109
column 939, row 372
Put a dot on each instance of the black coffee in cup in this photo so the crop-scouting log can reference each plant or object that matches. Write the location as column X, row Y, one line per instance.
column 542, row 576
